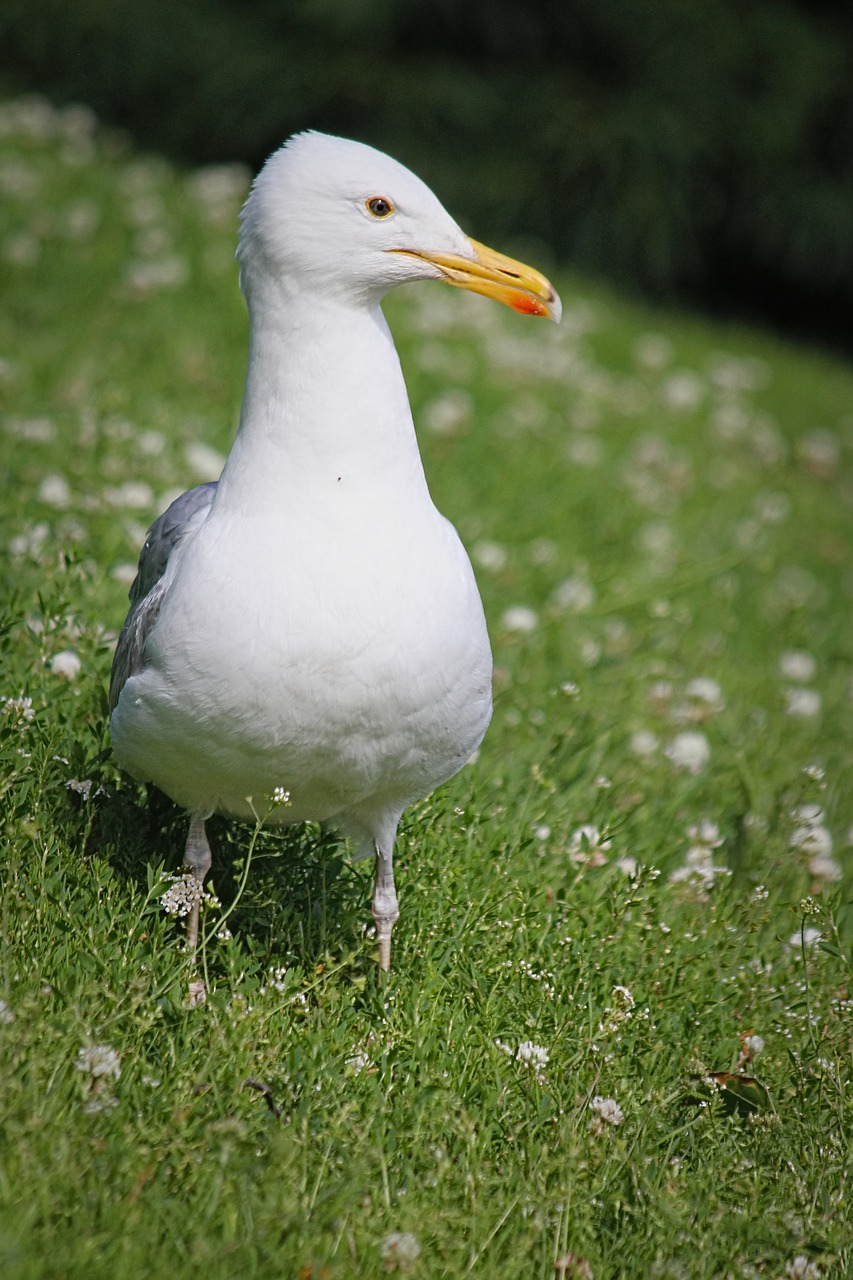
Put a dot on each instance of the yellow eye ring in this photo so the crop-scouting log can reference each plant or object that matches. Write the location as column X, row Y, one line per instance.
column 379, row 207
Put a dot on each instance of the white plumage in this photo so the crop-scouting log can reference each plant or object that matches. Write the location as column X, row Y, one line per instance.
column 312, row 622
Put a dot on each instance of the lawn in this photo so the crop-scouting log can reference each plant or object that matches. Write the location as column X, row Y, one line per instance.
column 617, row 1037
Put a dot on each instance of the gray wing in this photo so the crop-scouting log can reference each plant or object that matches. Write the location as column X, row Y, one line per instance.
column 147, row 591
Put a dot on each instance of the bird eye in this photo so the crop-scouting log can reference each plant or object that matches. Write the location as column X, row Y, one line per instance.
column 379, row 207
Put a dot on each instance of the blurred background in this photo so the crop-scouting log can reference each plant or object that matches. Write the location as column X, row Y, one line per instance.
column 694, row 150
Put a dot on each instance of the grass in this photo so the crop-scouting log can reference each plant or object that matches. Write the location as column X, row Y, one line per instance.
column 650, row 500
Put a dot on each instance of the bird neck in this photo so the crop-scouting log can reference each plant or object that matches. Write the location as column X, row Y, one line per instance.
column 325, row 407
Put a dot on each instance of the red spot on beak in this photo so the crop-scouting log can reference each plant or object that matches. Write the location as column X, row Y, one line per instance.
column 527, row 305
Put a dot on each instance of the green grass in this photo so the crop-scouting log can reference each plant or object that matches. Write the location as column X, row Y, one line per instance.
column 692, row 485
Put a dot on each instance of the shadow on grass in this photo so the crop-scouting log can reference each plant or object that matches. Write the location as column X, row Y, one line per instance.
column 302, row 899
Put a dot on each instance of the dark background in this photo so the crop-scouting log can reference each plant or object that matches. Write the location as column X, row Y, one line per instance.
column 698, row 150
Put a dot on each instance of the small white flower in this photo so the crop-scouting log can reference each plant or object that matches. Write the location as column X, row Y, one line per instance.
column 489, row 555
column 797, row 665
column 589, row 845
column 689, row 750
column 67, row 663
column 280, row 796
column 802, row 1268
column 399, row 1249
column 99, row 1061
column 622, row 997
column 55, row 491
column 804, row 938
column 813, row 838
column 707, row 694
column 802, row 704
column 184, row 892
column 133, row 494
column 521, row 619
column 532, row 1055
column 753, row 1045
column 81, row 788
column 575, row 594
column 825, row 868
column 607, row 1109
column 644, row 743
column 705, row 836
column 19, row 709
column 207, row 463
column 653, row 350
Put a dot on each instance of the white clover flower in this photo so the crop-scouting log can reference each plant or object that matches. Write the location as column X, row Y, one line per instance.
column 705, row 836
column 589, row 845
column 521, row 619
column 804, row 939
column 689, row 750
column 19, row 709
column 399, row 1249
column 206, row 462
column 802, row 704
column 100, row 1061
column 449, row 413
column 707, row 694
column 575, row 594
column 653, row 350
column 802, row 1268
column 823, row 867
column 683, row 391
column 797, row 665
column 607, row 1109
column 644, row 743
column 812, row 838
column 489, row 555
column 55, row 491
column 808, row 814
column 135, row 495
column 532, row 1055
column 67, row 663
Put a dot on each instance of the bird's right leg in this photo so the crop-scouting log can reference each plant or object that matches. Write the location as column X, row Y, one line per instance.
column 385, row 907
column 197, row 859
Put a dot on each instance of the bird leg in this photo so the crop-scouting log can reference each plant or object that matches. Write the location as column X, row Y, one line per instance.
column 385, row 908
column 197, row 859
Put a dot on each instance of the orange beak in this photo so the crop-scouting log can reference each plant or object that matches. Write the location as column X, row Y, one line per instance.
column 496, row 276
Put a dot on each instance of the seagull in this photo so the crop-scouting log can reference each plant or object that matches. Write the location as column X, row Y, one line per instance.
column 305, row 639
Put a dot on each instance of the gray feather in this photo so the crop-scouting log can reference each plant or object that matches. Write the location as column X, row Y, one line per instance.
column 148, row 590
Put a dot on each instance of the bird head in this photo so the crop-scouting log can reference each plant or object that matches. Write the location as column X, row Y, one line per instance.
column 342, row 220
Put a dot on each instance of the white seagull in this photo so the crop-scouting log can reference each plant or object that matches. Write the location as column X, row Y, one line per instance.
column 310, row 624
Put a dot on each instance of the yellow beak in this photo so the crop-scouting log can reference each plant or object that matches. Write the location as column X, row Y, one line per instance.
column 496, row 276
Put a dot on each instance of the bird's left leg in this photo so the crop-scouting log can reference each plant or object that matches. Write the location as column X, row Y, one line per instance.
column 197, row 859
column 385, row 908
